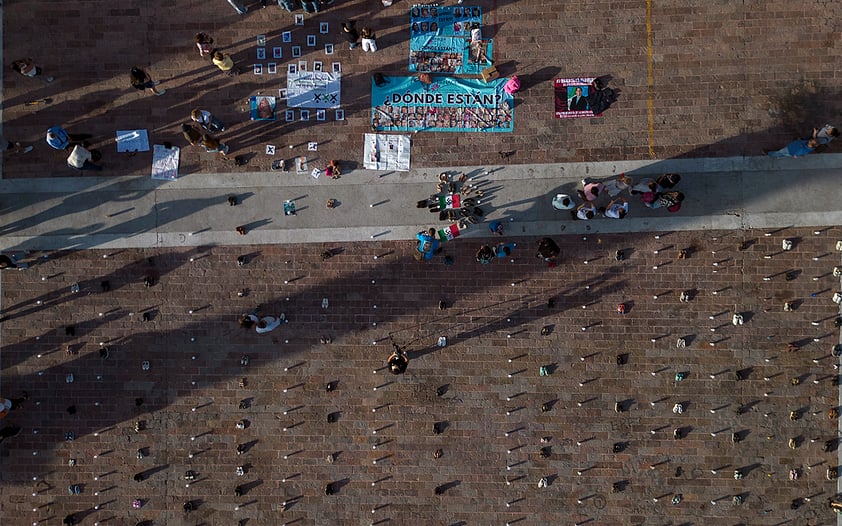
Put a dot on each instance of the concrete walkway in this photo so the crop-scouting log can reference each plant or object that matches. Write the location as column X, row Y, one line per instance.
column 131, row 212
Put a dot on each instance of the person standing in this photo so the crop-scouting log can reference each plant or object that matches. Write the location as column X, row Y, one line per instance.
column 485, row 255
column 349, row 31
column 548, row 251
column 397, row 361
column 503, row 250
column 207, row 121
column 238, row 5
column 212, row 145
column 427, row 245
column 141, row 81
column 591, row 191
column 369, row 39
column 10, row 262
column 205, row 44
column 225, row 63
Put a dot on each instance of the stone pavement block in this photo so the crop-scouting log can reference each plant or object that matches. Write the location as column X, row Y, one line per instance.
column 487, row 323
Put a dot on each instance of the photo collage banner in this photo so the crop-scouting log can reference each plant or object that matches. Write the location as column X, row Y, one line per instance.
column 440, row 40
column 448, row 104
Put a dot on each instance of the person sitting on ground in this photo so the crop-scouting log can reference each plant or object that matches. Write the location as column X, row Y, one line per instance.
column 14, row 146
column 585, row 211
column 333, row 170
column 496, row 228
column 825, row 135
column 485, row 255
column 247, row 321
column 668, row 181
column 619, row 185
column 795, row 149
column 563, row 202
column 669, row 200
column 548, row 251
column 616, row 209
column 82, row 159
column 591, row 191
column 644, row 185
column 27, row 68
column 269, row 323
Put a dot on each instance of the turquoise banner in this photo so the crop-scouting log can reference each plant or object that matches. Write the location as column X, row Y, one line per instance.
column 447, row 40
column 448, row 104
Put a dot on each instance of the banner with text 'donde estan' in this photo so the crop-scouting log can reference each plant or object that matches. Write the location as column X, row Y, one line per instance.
column 446, row 104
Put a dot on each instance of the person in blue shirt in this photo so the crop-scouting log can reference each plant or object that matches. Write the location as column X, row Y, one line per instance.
column 503, row 250
column 59, row 139
column 795, row 149
column 428, row 245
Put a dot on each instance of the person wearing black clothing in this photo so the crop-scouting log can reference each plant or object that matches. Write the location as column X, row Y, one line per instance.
column 349, row 31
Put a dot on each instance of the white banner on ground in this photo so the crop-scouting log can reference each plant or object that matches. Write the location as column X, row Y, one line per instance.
column 313, row 89
column 165, row 162
column 386, row 152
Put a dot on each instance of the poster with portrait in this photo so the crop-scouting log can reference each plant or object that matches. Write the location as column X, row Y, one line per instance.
column 262, row 108
column 313, row 89
column 571, row 97
column 447, row 104
column 440, row 40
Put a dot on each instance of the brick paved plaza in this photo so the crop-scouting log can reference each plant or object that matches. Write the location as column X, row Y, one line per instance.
column 383, row 441
column 727, row 79
column 132, row 389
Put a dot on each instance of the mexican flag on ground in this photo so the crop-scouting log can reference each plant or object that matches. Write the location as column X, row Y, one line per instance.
column 448, row 233
column 450, row 201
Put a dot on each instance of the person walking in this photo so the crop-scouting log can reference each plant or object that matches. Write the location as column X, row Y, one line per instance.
column 207, row 121
column 82, row 159
column 27, row 68
column 205, row 44
column 349, row 32
column 369, row 39
column 225, row 63
column 238, row 6
column 142, row 81
column 59, row 139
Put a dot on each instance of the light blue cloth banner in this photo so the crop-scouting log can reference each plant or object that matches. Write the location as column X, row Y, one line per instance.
column 448, row 104
column 440, row 40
